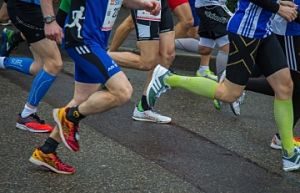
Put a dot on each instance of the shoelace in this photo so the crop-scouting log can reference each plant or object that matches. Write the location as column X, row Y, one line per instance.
column 37, row 118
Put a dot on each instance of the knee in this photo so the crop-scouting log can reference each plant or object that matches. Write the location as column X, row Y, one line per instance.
column 53, row 65
column 284, row 89
column 204, row 50
column 188, row 22
column 124, row 95
column 168, row 56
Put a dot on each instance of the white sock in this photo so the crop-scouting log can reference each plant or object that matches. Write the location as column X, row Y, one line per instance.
column 28, row 111
column 203, row 68
column 2, row 63
column 187, row 44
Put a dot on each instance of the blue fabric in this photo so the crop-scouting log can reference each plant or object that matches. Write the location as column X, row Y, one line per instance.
column 93, row 66
column 91, row 27
column 19, row 64
column 37, row 2
column 250, row 20
column 195, row 15
column 39, row 87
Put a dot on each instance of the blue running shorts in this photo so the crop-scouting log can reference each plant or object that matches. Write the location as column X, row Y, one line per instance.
column 92, row 64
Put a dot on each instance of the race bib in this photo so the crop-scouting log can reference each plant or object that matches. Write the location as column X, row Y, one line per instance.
column 112, row 10
column 145, row 15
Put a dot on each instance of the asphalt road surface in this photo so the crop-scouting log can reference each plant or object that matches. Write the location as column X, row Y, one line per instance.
column 202, row 150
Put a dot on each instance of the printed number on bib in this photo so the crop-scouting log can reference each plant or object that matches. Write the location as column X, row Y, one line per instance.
column 111, row 14
column 145, row 15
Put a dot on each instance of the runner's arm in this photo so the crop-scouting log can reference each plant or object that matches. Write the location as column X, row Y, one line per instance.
column 52, row 30
column 267, row 4
column 286, row 9
column 152, row 6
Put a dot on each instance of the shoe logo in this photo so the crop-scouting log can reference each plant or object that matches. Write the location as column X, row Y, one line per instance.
column 77, row 136
column 76, row 114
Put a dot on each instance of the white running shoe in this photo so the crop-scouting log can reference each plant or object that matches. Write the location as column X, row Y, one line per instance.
column 157, row 86
column 149, row 116
column 276, row 142
column 293, row 162
column 236, row 105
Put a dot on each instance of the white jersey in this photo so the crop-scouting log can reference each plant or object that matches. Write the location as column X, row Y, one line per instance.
column 203, row 3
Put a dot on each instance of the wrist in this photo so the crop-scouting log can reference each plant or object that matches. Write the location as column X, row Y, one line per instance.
column 49, row 19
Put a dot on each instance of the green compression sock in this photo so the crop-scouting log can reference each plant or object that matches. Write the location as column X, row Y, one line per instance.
column 197, row 85
column 283, row 112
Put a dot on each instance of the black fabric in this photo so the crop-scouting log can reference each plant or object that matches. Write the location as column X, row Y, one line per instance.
column 291, row 48
column 166, row 23
column 259, row 85
column 269, row 5
column 28, row 18
column 245, row 53
column 61, row 18
column 17, row 38
column 144, row 103
column 49, row 146
column 296, row 95
column 74, row 115
column 214, row 21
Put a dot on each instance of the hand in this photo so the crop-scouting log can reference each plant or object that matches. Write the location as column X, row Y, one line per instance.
column 287, row 12
column 152, row 6
column 53, row 32
column 288, row 4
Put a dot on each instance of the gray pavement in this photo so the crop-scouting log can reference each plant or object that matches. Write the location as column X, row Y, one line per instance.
column 203, row 150
column 103, row 165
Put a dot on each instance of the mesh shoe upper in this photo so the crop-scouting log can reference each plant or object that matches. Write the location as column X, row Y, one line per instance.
column 7, row 43
column 33, row 123
column 67, row 129
column 150, row 115
column 157, row 86
column 51, row 161
column 293, row 162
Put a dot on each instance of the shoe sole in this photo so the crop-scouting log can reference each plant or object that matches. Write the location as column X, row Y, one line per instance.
column 291, row 168
column 40, row 163
column 233, row 111
column 277, row 147
column 150, row 120
column 24, row 128
column 56, row 119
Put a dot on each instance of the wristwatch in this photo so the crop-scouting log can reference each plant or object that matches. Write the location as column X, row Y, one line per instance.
column 49, row 19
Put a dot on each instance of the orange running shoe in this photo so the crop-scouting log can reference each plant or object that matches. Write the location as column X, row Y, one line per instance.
column 33, row 123
column 50, row 161
column 68, row 130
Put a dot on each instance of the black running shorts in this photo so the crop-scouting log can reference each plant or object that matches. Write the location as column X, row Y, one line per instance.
column 150, row 30
column 244, row 53
column 214, row 21
column 28, row 18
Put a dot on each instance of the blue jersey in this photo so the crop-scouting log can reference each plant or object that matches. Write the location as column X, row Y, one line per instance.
column 281, row 26
column 37, row 2
column 90, row 22
column 250, row 20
